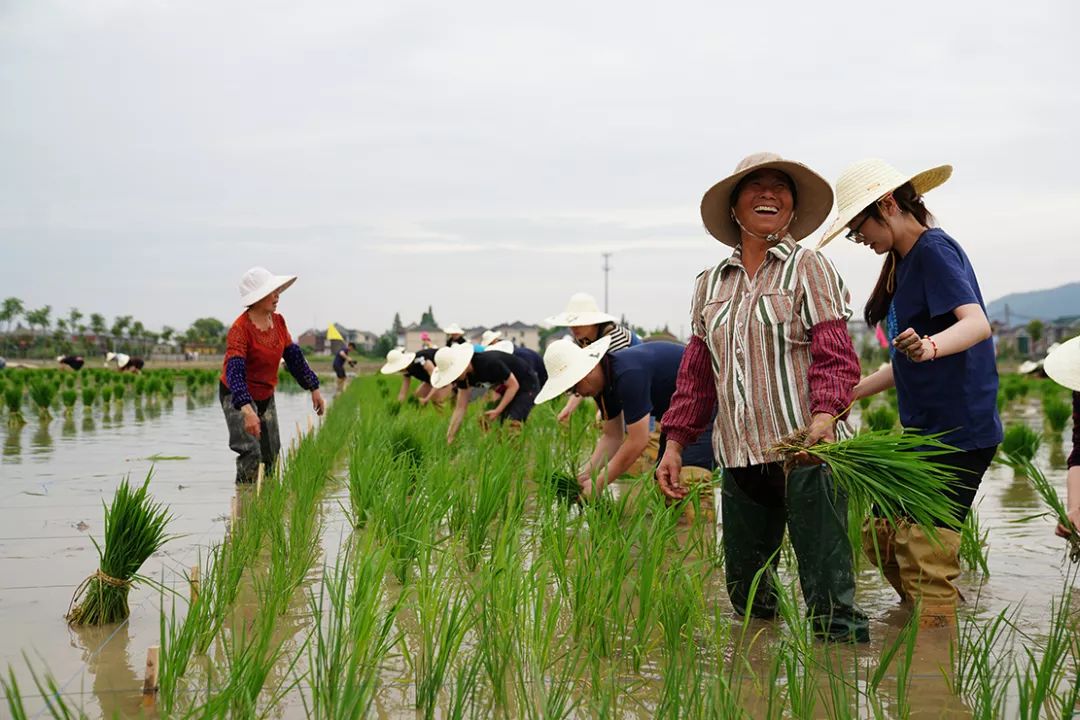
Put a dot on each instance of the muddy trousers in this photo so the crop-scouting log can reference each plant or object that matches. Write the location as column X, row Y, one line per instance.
column 250, row 451
column 757, row 504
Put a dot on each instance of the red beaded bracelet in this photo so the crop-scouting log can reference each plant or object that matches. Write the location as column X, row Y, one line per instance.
column 934, row 345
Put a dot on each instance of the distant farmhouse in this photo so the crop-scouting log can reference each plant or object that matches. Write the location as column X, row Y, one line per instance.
column 316, row 339
column 517, row 332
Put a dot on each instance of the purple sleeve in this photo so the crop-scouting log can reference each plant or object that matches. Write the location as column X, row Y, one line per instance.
column 1074, row 456
column 298, row 367
column 236, row 379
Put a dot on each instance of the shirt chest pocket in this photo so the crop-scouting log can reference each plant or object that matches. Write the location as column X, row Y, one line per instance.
column 775, row 308
column 717, row 311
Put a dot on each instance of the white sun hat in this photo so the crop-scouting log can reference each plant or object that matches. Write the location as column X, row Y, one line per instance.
column 258, row 282
column 813, row 198
column 450, row 363
column 567, row 364
column 489, row 337
column 1028, row 366
column 504, row 346
column 453, row 329
column 1062, row 365
column 122, row 360
column 580, row 311
column 59, row 358
column 109, row 356
column 868, row 181
column 396, row 361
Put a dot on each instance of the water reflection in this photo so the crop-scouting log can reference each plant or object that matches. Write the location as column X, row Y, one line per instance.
column 116, row 685
column 1057, row 453
column 42, row 441
column 140, row 416
column 67, row 430
column 1019, row 493
column 13, row 441
column 118, row 416
column 88, row 424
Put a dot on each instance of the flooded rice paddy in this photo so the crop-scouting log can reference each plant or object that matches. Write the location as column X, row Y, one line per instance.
column 55, row 474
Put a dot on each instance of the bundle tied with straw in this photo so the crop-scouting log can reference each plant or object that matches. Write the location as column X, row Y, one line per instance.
column 134, row 530
column 893, row 472
column 1024, row 467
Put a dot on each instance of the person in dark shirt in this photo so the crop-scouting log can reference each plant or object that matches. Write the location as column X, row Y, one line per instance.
column 340, row 358
column 630, row 386
column 464, row 369
column 75, row 362
column 1062, row 366
column 454, row 335
column 126, row 363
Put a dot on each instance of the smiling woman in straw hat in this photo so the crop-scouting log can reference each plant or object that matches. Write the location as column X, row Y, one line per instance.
column 942, row 365
column 464, row 368
column 770, row 355
column 257, row 342
column 1062, row 365
column 587, row 325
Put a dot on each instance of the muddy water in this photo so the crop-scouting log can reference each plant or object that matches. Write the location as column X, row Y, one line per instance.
column 53, row 477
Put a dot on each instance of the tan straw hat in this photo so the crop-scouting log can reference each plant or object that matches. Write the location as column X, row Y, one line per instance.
column 1062, row 365
column 813, row 199
column 450, row 364
column 567, row 364
column 582, row 310
column 258, row 282
column 396, row 361
column 867, row 181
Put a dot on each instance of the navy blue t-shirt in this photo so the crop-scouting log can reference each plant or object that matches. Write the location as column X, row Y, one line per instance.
column 534, row 361
column 958, row 393
column 417, row 369
column 640, row 380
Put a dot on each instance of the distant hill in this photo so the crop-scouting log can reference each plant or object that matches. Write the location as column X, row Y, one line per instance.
column 1045, row 305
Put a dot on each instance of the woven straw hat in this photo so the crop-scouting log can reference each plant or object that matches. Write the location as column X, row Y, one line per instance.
column 258, row 282
column 582, row 310
column 396, row 361
column 567, row 364
column 868, row 181
column 813, row 202
column 450, row 364
column 1062, row 365
column 504, row 346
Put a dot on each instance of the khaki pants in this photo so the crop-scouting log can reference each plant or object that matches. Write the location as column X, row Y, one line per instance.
column 917, row 567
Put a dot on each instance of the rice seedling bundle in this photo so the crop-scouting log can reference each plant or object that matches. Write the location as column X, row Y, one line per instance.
column 880, row 417
column 106, row 393
column 13, row 395
column 43, row 393
column 1020, row 441
column 895, row 472
column 118, row 392
column 974, row 545
column 68, row 397
column 1057, row 413
column 89, row 395
column 139, row 386
column 1024, row 467
column 168, row 386
column 134, row 530
column 153, row 387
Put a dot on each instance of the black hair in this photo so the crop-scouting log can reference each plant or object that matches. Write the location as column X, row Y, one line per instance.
column 910, row 203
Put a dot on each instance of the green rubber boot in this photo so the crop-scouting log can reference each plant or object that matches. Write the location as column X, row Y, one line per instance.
column 752, row 534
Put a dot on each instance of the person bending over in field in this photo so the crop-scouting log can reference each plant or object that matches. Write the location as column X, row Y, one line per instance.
column 414, row 365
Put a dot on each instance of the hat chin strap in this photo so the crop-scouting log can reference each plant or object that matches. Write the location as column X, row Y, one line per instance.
column 771, row 237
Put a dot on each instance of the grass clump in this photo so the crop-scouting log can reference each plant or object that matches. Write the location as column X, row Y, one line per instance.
column 1019, row 442
column 134, row 530
column 1057, row 413
column 13, row 395
column 880, row 417
column 43, row 393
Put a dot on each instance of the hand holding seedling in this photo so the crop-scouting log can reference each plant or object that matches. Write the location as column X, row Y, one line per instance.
column 587, row 486
column 317, row 402
column 916, row 348
column 667, row 472
column 493, row 414
column 252, row 424
column 821, row 429
column 1063, row 532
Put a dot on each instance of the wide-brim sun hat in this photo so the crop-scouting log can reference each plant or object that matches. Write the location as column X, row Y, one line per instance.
column 567, row 364
column 1028, row 366
column 813, row 198
column 489, row 337
column 866, row 181
column 396, row 361
column 581, row 311
column 59, row 358
column 109, row 357
column 258, row 282
column 1063, row 364
column 122, row 360
column 450, row 363
column 453, row 329
column 504, row 346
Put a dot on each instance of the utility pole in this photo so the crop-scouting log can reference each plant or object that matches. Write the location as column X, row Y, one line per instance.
column 607, row 268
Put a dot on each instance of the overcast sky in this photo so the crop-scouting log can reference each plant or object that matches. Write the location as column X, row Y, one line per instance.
column 480, row 156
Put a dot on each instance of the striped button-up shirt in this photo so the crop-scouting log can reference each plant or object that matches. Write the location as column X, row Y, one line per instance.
column 758, row 334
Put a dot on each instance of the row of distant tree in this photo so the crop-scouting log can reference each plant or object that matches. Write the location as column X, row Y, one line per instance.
column 39, row 332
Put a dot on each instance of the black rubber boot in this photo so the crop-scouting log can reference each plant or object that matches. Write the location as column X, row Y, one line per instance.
column 817, row 521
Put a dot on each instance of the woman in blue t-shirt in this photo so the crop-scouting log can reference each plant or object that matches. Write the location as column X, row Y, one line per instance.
column 942, row 365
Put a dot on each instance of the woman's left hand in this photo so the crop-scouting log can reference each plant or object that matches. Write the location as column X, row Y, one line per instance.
column 916, row 348
column 317, row 402
column 493, row 414
column 822, row 428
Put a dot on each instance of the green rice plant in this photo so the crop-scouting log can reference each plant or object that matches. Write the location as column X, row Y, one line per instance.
column 1024, row 467
column 89, row 396
column 68, row 396
column 973, row 544
column 49, row 692
column 475, row 505
column 13, row 395
column 1020, row 442
column 880, row 417
column 138, row 387
column 118, row 390
column 153, row 389
column 895, row 472
column 655, row 546
column 134, row 530
column 864, row 402
column 1057, row 413
column 43, row 393
column 404, row 443
column 1042, row 673
column 106, row 395
column 500, row 589
column 445, row 612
